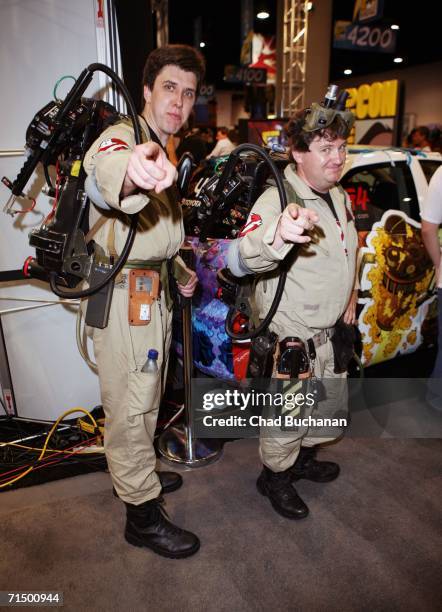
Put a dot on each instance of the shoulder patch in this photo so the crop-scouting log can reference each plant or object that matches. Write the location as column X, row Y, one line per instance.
column 112, row 144
column 252, row 223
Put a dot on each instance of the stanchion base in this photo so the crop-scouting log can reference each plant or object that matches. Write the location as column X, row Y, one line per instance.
column 172, row 445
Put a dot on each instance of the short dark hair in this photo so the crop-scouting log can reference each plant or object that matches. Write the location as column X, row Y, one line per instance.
column 423, row 131
column 223, row 130
column 185, row 57
column 300, row 140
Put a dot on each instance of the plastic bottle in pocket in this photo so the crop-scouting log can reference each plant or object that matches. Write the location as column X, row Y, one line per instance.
column 151, row 364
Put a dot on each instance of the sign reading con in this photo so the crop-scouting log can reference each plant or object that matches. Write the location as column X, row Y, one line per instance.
column 376, row 100
column 375, row 106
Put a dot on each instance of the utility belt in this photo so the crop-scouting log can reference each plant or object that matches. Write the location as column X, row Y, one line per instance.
column 159, row 268
column 144, row 280
column 294, row 358
column 321, row 337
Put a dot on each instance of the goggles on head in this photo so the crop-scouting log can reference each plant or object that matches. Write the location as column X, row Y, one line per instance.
column 321, row 116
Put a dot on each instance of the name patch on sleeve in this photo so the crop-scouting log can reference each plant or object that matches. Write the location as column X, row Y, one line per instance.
column 111, row 145
column 252, row 223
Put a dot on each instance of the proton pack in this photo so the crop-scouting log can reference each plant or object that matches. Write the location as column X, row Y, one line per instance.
column 60, row 242
column 59, row 135
column 221, row 194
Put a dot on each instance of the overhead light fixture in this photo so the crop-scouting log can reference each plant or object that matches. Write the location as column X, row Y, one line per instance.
column 263, row 15
column 348, row 71
column 398, row 60
column 202, row 44
column 394, row 26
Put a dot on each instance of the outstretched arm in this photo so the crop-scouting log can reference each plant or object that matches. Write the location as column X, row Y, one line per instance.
column 294, row 222
column 148, row 169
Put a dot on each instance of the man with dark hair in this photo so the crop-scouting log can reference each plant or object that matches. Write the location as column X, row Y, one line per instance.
column 127, row 179
column 420, row 138
column 319, row 290
column 186, row 58
column 224, row 146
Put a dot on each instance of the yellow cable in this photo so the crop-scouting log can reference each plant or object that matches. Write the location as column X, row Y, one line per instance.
column 51, row 450
column 88, row 428
column 48, row 437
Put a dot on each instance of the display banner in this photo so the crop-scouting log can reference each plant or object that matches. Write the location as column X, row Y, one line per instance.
column 368, row 10
column 250, row 76
column 326, row 408
column 376, row 108
column 358, row 37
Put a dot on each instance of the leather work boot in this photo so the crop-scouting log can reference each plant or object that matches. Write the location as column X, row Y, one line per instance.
column 307, row 467
column 283, row 496
column 148, row 525
column 170, row 481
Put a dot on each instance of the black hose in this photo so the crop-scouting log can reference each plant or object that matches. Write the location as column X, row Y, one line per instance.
column 283, row 275
column 126, row 95
column 47, row 177
column 76, row 92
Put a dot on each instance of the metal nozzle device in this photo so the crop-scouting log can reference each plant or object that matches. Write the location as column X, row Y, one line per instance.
column 330, row 96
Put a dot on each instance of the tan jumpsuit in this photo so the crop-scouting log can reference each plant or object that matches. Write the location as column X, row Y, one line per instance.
column 130, row 397
column 319, row 283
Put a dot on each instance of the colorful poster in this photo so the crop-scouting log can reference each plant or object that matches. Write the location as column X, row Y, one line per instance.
column 397, row 281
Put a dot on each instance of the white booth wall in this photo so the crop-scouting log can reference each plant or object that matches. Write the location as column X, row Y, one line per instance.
column 40, row 41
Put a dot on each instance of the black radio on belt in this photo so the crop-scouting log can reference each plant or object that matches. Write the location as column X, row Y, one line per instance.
column 261, row 355
column 293, row 358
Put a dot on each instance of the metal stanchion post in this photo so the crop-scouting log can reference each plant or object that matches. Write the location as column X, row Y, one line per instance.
column 178, row 444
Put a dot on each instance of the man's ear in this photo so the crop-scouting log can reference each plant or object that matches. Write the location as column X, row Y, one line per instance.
column 298, row 156
column 147, row 93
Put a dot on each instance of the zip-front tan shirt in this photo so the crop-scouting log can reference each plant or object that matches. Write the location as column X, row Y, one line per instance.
column 321, row 274
column 160, row 230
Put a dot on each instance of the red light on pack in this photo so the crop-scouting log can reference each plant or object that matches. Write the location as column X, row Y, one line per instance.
column 240, row 324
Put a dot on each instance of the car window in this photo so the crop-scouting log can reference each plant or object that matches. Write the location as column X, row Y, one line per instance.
column 429, row 166
column 376, row 188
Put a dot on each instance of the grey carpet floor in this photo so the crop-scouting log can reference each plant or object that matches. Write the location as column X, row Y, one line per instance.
column 372, row 541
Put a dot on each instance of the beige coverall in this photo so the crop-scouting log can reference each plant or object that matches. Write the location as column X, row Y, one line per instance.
column 320, row 279
column 130, row 397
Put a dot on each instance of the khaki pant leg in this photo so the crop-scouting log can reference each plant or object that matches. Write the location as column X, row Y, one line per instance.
column 337, row 395
column 130, row 397
column 280, row 453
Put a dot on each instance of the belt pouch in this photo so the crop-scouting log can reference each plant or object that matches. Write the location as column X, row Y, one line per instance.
column 144, row 288
column 343, row 341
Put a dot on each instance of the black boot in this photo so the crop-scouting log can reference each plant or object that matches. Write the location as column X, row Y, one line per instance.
column 170, row 481
column 148, row 525
column 283, row 496
column 307, row 467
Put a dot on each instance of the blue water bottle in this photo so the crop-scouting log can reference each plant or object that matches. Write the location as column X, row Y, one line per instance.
column 151, row 365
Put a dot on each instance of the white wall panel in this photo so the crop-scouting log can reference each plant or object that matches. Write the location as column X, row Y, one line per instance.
column 40, row 41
